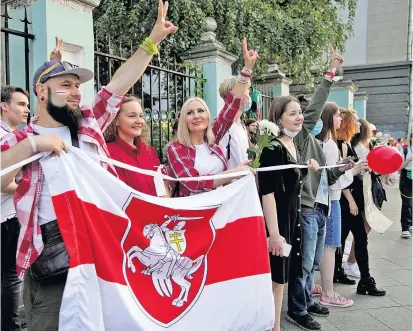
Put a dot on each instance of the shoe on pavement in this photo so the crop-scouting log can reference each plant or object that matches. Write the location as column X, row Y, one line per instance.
column 316, row 290
column 318, row 310
column 352, row 269
column 336, row 301
column 368, row 286
column 406, row 234
column 305, row 322
column 341, row 277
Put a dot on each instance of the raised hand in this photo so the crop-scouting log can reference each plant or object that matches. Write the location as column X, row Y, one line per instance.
column 250, row 56
column 57, row 53
column 162, row 28
column 336, row 60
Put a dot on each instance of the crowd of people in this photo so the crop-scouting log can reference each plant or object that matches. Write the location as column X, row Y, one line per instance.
column 312, row 210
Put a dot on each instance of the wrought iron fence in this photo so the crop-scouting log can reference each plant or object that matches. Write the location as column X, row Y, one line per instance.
column 266, row 104
column 162, row 90
column 7, row 34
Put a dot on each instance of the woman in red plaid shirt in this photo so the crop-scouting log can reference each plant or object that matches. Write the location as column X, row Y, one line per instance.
column 196, row 152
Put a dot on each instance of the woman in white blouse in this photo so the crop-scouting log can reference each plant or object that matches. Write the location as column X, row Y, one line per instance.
column 331, row 122
column 196, row 152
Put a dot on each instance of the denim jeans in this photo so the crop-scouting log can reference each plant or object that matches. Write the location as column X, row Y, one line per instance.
column 313, row 227
column 333, row 227
column 10, row 283
column 43, row 298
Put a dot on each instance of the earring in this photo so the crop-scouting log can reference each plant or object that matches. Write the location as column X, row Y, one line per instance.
column 42, row 99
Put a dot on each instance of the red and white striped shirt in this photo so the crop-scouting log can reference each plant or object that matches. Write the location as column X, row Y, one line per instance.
column 30, row 178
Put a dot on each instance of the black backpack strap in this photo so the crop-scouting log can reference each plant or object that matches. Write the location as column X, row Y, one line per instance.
column 175, row 192
column 75, row 140
column 405, row 151
column 229, row 147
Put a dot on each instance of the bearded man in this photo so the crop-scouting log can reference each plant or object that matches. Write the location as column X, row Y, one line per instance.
column 61, row 123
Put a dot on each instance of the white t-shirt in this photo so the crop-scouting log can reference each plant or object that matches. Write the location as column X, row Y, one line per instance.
column 332, row 157
column 7, row 205
column 362, row 151
column 46, row 212
column 238, row 145
column 207, row 163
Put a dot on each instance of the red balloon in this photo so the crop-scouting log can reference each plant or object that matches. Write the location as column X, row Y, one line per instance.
column 384, row 160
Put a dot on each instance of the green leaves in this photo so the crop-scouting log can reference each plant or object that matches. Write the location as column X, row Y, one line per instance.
column 292, row 33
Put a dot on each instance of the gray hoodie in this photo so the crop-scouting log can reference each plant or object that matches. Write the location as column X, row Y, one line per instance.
column 310, row 148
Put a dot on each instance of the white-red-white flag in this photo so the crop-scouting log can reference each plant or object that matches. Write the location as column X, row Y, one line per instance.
column 139, row 262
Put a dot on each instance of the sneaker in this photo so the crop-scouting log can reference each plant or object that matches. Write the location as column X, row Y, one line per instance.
column 368, row 286
column 406, row 234
column 347, row 247
column 352, row 269
column 316, row 290
column 305, row 322
column 318, row 310
column 336, row 301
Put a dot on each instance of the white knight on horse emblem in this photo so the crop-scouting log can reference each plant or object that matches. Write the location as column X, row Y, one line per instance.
column 163, row 258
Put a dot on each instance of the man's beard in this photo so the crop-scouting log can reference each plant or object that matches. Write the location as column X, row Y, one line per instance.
column 65, row 115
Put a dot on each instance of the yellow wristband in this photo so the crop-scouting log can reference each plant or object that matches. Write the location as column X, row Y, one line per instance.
column 149, row 47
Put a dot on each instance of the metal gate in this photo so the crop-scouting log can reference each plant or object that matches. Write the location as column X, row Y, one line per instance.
column 162, row 90
column 8, row 33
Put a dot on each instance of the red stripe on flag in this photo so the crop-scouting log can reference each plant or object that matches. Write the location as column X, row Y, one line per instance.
column 234, row 255
column 93, row 236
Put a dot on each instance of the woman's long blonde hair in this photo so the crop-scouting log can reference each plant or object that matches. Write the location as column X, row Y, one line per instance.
column 111, row 132
column 183, row 134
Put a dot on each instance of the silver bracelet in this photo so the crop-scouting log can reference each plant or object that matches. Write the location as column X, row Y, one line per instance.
column 34, row 148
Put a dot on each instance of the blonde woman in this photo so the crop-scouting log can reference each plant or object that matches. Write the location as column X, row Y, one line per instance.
column 196, row 152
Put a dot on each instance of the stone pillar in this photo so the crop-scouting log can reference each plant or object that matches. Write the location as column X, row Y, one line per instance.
column 69, row 19
column 274, row 82
column 360, row 104
column 216, row 63
column 342, row 94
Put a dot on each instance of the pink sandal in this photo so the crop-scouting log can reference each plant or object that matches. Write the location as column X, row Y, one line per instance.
column 336, row 301
column 316, row 290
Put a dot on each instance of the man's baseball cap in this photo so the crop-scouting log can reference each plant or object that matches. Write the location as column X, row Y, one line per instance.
column 58, row 68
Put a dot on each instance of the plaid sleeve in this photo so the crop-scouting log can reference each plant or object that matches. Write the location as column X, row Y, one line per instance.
column 105, row 107
column 182, row 165
column 11, row 139
column 226, row 117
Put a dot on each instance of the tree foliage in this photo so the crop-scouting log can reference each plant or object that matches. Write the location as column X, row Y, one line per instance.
column 292, row 33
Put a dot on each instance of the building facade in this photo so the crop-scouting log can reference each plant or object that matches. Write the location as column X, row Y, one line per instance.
column 378, row 59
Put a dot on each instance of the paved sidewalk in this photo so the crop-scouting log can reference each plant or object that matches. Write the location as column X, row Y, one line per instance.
column 391, row 266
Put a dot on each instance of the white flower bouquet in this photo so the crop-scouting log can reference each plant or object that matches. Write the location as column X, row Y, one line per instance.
column 377, row 139
column 266, row 133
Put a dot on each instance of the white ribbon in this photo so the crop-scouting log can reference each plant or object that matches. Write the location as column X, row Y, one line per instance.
column 160, row 175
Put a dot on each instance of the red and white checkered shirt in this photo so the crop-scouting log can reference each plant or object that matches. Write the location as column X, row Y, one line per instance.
column 30, row 178
column 181, row 158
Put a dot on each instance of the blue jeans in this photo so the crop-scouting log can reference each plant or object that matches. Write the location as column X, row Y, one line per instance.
column 10, row 283
column 313, row 227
